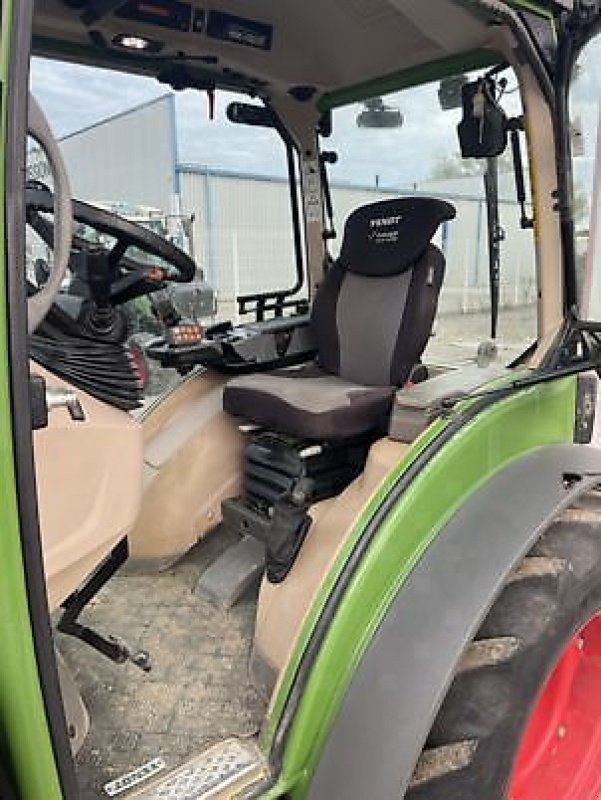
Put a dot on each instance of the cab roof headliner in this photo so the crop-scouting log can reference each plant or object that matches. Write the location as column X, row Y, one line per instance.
column 326, row 44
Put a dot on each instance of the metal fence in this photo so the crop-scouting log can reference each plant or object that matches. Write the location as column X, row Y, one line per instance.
column 242, row 238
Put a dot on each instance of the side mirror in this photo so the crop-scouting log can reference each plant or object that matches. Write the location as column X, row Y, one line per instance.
column 248, row 114
column 449, row 91
column 483, row 129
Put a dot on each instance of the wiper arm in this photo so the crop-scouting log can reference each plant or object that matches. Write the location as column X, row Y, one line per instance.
column 534, row 379
column 577, row 349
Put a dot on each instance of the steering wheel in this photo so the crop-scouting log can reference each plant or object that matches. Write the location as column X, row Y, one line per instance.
column 39, row 304
column 128, row 277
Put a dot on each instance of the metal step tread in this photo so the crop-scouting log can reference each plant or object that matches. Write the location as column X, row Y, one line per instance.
column 221, row 772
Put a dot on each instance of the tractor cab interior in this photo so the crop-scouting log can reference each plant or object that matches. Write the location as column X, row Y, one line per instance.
column 204, row 520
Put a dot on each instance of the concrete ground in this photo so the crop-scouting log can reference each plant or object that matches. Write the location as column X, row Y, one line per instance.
column 199, row 689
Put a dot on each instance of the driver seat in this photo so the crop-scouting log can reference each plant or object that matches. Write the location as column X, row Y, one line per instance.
column 371, row 320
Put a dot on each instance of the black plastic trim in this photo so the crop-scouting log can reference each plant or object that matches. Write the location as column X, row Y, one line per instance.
column 6, row 788
column 563, row 155
column 20, row 401
column 574, row 35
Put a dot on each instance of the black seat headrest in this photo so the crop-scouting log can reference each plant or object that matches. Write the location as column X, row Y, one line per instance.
column 388, row 237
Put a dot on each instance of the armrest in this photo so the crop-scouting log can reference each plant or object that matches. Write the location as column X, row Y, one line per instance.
column 414, row 408
column 278, row 324
column 277, row 346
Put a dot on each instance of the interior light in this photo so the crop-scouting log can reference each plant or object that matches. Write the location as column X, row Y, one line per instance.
column 140, row 43
column 134, row 42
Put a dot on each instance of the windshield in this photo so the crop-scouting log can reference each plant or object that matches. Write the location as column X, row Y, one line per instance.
column 405, row 144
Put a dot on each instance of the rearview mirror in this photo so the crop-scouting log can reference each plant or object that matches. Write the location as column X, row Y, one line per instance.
column 248, row 114
column 378, row 115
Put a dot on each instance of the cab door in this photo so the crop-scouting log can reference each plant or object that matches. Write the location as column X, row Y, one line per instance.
column 34, row 750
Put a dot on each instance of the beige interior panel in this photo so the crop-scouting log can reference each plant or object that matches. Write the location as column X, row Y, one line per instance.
column 192, row 461
column 283, row 607
column 89, row 480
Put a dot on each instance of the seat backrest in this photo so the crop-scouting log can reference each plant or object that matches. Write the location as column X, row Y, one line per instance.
column 374, row 311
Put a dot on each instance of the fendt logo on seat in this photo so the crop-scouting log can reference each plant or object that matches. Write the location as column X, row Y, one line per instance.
column 381, row 222
column 384, row 230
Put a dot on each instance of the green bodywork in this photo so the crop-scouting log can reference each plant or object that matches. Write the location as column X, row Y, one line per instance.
column 24, row 737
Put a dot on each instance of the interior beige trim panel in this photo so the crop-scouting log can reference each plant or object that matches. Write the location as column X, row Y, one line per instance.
column 94, row 468
column 283, row 607
column 192, row 461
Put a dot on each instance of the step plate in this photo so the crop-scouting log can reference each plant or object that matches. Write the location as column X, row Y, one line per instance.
column 220, row 772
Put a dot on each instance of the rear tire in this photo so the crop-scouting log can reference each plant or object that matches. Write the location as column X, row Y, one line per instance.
column 479, row 731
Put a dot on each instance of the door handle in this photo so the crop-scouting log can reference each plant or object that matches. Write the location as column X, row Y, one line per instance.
column 65, row 398
column 43, row 400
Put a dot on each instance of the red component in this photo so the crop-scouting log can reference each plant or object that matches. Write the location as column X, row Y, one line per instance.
column 139, row 364
column 560, row 753
column 155, row 274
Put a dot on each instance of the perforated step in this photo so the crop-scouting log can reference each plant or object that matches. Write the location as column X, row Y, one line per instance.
column 221, row 772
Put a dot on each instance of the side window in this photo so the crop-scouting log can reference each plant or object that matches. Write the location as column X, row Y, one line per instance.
column 585, row 113
column 219, row 190
column 236, row 191
column 405, row 144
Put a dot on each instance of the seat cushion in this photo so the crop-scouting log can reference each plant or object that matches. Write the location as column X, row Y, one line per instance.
column 308, row 402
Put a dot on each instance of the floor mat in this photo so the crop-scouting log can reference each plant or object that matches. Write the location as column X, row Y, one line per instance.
column 199, row 689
